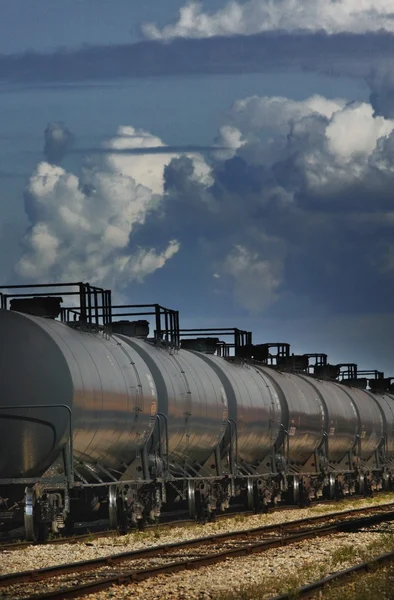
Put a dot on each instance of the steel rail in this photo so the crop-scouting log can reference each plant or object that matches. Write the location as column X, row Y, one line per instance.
column 245, row 547
column 106, row 532
column 92, row 535
column 366, row 566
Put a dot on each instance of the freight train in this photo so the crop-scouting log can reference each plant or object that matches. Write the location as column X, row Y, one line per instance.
column 100, row 420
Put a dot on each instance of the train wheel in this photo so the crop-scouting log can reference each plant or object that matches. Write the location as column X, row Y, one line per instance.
column 119, row 518
column 191, row 498
column 69, row 525
column 361, row 484
column 35, row 530
column 29, row 515
column 332, row 486
column 113, row 506
column 250, row 493
column 296, row 489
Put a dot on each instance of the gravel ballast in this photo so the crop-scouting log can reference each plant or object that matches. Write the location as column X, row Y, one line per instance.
column 273, row 572
column 246, row 570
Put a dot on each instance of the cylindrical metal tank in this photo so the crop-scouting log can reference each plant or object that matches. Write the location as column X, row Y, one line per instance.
column 304, row 419
column 192, row 398
column 253, row 404
column 386, row 403
column 342, row 422
column 106, row 386
column 370, row 419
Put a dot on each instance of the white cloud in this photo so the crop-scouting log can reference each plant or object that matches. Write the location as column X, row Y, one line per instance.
column 230, row 139
column 256, row 279
column 82, row 225
column 335, row 141
column 146, row 169
column 255, row 16
column 145, row 262
column 355, row 131
column 278, row 113
column 202, row 172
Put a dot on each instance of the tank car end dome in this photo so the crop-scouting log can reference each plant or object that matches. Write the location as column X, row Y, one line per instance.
column 35, row 375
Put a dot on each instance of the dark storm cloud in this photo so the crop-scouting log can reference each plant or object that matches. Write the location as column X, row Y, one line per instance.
column 381, row 83
column 349, row 54
column 319, row 222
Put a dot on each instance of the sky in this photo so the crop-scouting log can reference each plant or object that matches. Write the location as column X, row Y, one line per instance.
column 230, row 159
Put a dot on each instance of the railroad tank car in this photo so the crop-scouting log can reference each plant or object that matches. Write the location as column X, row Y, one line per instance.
column 253, row 406
column 111, row 386
column 191, row 399
column 58, row 372
column 386, row 403
column 304, row 412
column 106, row 420
column 341, row 419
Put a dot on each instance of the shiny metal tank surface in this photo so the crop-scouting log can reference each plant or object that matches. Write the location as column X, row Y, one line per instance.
column 107, row 388
column 253, row 403
column 342, row 423
column 305, row 414
column 192, row 397
column 115, row 400
column 386, row 403
column 371, row 421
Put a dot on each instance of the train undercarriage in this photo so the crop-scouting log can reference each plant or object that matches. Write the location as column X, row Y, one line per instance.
column 45, row 509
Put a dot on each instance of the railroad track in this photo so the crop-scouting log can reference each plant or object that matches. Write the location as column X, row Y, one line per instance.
column 91, row 535
column 78, row 579
column 316, row 586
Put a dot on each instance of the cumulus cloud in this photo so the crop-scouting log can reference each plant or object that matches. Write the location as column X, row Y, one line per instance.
column 58, row 140
column 148, row 172
column 256, row 280
column 229, row 140
column 354, row 131
column 299, row 215
column 346, row 129
column 278, row 113
column 255, row 16
column 295, row 210
column 82, row 226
